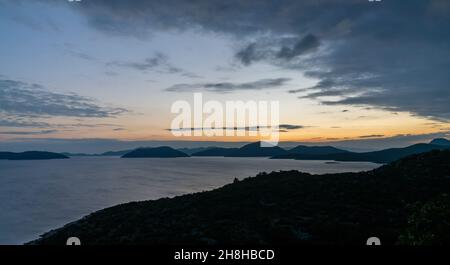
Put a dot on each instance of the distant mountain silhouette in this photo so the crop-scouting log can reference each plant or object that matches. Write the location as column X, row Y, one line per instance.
column 383, row 156
column 316, row 150
column 108, row 153
column 194, row 150
column 31, row 155
column 6, row 155
column 440, row 141
column 403, row 203
column 216, row 151
column 255, row 150
column 116, row 153
column 78, row 154
column 162, row 152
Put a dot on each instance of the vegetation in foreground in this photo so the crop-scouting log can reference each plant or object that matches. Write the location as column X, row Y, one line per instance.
column 405, row 202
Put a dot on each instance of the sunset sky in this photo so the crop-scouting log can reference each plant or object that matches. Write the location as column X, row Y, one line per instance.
column 341, row 70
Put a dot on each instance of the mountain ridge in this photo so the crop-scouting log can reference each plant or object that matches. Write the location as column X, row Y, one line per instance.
column 440, row 141
column 216, row 151
column 31, row 155
column 316, row 150
column 382, row 156
column 256, row 149
column 156, row 152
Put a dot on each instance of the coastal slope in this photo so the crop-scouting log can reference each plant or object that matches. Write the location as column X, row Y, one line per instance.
column 287, row 207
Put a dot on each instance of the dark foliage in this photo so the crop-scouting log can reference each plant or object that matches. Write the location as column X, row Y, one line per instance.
column 429, row 224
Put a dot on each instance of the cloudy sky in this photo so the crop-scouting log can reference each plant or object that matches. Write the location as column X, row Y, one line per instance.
column 347, row 70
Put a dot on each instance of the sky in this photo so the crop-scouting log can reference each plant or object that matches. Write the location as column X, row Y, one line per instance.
column 352, row 72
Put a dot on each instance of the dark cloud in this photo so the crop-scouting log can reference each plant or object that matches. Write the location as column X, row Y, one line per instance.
column 23, row 99
column 371, row 136
column 248, row 54
column 387, row 54
column 225, row 87
column 281, row 128
column 140, row 17
column 277, row 50
column 158, row 63
column 306, row 44
column 319, row 86
column 291, row 126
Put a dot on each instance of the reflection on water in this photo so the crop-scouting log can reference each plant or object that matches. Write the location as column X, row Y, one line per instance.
column 36, row 196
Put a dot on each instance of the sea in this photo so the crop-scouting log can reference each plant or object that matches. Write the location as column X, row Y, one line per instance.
column 41, row 195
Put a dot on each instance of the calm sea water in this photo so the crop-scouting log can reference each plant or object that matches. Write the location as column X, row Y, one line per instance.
column 36, row 196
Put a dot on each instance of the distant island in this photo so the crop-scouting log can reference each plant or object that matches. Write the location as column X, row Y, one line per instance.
column 383, row 156
column 191, row 151
column 115, row 153
column 406, row 202
column 300, row 152
column 257, row 150
column 108, row 153
column 303, row 152
column 316, row 150
column 216, row 151
column 440, row 141
column 160, row 152
column 31, row 155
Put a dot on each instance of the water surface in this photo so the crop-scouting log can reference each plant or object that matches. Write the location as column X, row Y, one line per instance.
column 37, row 196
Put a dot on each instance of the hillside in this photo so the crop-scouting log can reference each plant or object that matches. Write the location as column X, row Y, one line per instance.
column 115, row 153
column 159, row 152
column 31, row 155
column 383, row 156
column 440, row 141
column 193, row 150
column 288, row 207
column 216, row 151
column 256, row 150
column 316, row 150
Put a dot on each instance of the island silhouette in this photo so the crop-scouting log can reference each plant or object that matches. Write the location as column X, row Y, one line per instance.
column 256, row 149
column 31, row 155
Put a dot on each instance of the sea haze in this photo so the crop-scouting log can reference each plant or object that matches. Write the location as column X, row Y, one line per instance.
column 37, row 196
